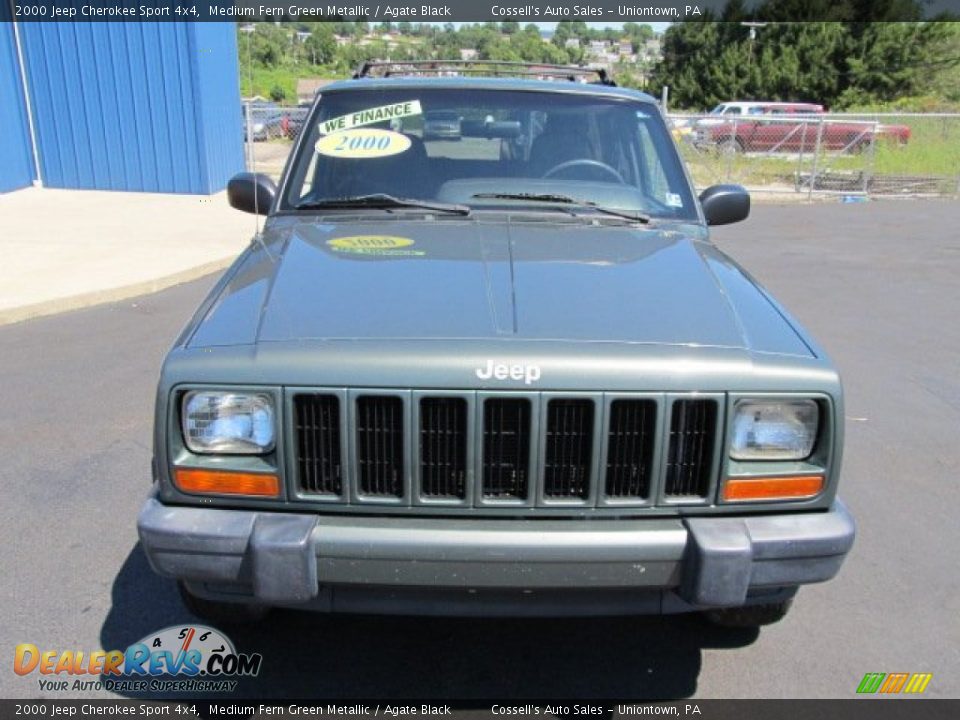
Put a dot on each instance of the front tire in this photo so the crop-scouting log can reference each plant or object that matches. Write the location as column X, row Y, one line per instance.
column 750, row 615
column 216, row 611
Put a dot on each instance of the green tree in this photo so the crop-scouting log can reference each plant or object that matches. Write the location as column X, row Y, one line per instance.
column 637, row 34
column 562, row 33
column 862, row 57
column 268, row 45
column 579, row 28
column 891, row 60
column 943, row 78
column 321, row 46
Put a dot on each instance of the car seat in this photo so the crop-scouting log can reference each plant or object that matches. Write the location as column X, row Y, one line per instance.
column 565, row 137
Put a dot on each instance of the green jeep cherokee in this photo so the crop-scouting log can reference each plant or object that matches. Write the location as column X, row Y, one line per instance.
column 494, row 370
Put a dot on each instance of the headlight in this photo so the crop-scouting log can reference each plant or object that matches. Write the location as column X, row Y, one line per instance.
column 230, row 423
column 784, row 430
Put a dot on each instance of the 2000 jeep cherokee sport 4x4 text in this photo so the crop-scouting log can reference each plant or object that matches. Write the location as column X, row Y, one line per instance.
column 499, row 373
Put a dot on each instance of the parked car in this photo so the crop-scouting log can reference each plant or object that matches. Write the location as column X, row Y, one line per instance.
column 788, row 127
column 294, row 120
column 514, row 377
column 266, row 122
column 725, row 111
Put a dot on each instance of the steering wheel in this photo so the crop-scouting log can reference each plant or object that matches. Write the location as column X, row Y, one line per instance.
column 586, row 163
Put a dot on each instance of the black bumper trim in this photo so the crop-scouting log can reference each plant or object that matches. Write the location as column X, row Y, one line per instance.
column 288, row 559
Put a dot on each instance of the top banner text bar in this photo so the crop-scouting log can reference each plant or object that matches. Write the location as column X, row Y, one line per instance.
column 611, row 12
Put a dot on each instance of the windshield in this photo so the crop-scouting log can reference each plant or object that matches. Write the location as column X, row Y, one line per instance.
column 490, row 148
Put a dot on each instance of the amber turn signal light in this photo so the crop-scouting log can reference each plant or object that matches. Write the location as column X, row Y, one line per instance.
column 793, row 487
column 224, row 482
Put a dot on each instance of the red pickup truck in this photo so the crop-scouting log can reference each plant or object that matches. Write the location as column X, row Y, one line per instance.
column 789, row 127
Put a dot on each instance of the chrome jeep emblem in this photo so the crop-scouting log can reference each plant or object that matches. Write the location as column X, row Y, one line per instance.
column 501, row 371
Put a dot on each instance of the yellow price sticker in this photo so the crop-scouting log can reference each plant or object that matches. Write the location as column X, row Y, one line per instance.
column 363, row 143
column 375, row 245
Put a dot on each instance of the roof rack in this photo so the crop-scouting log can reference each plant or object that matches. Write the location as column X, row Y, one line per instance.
column 494, row 68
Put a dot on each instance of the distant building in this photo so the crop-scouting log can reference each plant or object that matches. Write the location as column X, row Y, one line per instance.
column 598, row 47
column 572, row 43
column 652, row 49
column 468, row 54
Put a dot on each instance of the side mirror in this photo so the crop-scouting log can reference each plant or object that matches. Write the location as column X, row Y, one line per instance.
column 251, row 192
column 725, row 204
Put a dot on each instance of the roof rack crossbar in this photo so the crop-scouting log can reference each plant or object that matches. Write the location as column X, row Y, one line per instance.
column 499, row 68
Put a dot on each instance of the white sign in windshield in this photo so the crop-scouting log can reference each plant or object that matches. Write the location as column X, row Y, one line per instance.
column 371, row 116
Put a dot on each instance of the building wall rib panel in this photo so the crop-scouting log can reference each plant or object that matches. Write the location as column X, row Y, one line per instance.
column 151, row 107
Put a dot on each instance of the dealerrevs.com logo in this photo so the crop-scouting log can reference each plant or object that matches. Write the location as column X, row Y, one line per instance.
column 191, row 658
column 894, row 683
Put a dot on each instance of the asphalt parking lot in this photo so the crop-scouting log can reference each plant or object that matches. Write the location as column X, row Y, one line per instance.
column 876, row 283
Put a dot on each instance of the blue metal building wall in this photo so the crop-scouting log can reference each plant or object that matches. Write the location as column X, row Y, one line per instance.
column 16, row 163
column 135, row 106
column 216, row 80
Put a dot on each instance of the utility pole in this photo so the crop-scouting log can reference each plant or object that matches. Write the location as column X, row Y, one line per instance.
column 753, row 36
column 753, row 33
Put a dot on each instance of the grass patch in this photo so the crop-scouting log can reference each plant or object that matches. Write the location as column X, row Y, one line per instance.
column 264, row 80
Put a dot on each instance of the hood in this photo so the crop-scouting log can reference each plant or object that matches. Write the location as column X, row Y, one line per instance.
column 476, row 279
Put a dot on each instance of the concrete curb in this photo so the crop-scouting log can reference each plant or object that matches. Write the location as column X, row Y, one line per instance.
column 8, row 316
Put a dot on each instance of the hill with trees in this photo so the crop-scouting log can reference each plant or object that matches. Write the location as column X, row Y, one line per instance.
column 273, row 56
column 854, row 58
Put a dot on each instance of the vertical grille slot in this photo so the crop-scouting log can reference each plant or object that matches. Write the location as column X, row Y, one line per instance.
column 380, row 446
column 569, row 449
column 506, row 448
column 630, row 448
column 317, row 425
column 690, row 454
column 443, row 448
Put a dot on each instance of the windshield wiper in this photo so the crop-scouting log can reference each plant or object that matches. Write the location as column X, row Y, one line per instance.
column 566, row 200
column 381, row 200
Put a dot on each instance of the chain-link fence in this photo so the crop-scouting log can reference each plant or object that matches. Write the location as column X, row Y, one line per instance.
column 269, row 130
column 855, row 155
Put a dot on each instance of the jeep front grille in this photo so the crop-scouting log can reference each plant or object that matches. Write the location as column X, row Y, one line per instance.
column 443, row 448
column 630, row 448
column 317, row 424
column 567, row 462
column 690, row 452
column 529, row 451
column 506, row 447
column 379, row 426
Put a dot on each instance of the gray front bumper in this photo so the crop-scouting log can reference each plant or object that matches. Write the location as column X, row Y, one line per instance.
column 294, row 559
